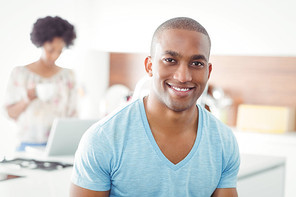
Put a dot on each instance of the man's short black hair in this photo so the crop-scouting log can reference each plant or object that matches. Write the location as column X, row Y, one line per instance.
column 47, row 28
column 178, row 23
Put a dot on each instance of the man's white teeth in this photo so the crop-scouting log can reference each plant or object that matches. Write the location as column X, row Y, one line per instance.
column 181, row 89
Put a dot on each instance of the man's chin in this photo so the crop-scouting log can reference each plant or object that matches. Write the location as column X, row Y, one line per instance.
column 179, row 107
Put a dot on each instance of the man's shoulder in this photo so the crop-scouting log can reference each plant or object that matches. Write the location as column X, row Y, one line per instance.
column 122, row 115
column 220, row 135
column 214, row 125
column 114, row 127
column 210, row 120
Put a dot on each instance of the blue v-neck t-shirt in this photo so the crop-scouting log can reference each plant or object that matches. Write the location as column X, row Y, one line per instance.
column 120, row 154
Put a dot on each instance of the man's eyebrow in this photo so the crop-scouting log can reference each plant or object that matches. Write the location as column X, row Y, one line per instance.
column 172, row 53
column 196, row 57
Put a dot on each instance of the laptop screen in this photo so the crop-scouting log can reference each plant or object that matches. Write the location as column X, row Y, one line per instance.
column 65, row 135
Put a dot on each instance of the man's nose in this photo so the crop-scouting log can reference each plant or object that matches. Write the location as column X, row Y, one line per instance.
column 183, row 73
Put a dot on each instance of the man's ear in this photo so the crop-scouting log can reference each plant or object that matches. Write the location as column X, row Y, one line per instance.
column 210, row 70
column 148, row 65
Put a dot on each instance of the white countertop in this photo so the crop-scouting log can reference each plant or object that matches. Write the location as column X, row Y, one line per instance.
column 38, row 183
column 288, row 138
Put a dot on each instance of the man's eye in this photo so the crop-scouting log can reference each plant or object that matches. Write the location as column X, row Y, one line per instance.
column 198, row 64
column 169, row 60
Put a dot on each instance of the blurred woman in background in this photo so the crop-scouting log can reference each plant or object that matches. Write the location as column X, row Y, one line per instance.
column 41, row 91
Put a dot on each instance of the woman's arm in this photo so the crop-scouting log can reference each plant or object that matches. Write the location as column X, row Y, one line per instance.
column 15, row 110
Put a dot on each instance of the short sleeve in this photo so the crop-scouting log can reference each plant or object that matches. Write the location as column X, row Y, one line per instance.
column 231, row 163
column 15, row 90
column 92, row 161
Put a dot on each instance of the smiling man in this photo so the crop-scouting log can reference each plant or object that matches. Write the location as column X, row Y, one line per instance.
column 163, row 144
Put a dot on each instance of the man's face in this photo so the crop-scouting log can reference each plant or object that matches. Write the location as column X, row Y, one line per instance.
column 179, row 68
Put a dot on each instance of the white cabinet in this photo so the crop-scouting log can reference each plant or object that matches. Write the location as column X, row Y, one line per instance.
column 261, row 176
column 280, row 145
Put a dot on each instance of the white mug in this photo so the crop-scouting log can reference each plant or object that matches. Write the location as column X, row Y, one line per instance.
column 45, row 91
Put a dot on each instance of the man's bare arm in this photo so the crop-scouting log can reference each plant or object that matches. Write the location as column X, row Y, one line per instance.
column 225, row 192
column 77, row 191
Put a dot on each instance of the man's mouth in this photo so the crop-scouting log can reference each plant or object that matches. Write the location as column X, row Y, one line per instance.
column 179, row 88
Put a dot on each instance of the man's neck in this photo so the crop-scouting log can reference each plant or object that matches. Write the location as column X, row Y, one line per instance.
column 168, row 121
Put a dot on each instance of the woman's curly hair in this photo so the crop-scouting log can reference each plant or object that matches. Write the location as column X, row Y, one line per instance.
column 47, row 28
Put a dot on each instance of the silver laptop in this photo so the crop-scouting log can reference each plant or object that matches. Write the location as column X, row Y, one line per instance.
column 65, row 135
